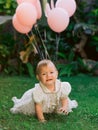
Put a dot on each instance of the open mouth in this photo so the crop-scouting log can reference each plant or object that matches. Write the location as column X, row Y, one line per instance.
column 49, row 80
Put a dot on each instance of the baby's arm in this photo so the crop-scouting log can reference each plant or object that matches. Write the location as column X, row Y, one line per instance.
column 64, row 108
column 39, row 112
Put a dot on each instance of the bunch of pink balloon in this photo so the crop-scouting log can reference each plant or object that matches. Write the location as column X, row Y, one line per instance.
column 58, row 16
column 26, row 15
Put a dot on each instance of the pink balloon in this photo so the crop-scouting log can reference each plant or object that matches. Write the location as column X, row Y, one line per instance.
column 26, row 13
column 21, row 1
column 38, row 8
column 31, row 1
column 58, row 19
column 19, row 27
column 68, row 5
column 47, row 9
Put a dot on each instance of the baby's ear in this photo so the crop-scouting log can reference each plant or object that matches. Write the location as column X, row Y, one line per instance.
column 37, row 77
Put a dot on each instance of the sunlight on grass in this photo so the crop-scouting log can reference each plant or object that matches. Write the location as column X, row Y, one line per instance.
column 85, row 117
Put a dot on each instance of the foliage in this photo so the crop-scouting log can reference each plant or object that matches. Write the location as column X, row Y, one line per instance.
column 87, row 24
column 7, row 7
column 9, row 49
column 3, row 51
column 94, row 42
column 85, row 117
column 68, row 69
column 30, row 70
column 48, row 44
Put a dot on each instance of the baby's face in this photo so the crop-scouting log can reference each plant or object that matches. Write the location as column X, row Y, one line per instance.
column 47, row 75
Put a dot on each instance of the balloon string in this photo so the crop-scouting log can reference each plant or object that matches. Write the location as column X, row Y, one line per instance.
column 28, row 35
column 46, row 52
column 37, row 47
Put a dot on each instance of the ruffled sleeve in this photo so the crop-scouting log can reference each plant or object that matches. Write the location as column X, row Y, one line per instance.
column 65, row 89
column 37, row 94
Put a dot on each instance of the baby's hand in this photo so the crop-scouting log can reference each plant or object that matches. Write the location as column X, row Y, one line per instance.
column 42, row 120
column 63, row 110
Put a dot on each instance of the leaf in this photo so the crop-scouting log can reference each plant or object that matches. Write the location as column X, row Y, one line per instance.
column 30, row 69
column 62, row 55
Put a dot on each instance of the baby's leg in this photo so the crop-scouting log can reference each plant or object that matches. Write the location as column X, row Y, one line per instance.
column 23, row 105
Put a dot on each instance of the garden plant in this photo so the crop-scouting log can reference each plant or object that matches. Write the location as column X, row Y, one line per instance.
column 75, row 47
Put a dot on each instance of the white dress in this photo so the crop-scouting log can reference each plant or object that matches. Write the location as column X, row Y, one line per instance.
column 40, row 94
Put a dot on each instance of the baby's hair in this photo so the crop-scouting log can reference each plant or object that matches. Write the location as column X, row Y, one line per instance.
column 42, row 63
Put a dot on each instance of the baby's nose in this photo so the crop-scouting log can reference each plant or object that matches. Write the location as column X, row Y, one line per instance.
column 48, row 74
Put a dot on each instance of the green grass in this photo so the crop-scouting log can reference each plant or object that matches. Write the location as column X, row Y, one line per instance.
column 85, row 117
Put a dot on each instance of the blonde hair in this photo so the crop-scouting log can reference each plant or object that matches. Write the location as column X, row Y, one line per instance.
column 42, row 63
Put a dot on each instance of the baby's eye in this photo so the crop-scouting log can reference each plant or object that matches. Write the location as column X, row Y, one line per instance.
column 51, row 72
column 43, row 74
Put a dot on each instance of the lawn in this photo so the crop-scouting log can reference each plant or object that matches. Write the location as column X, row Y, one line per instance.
column 85, row 117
